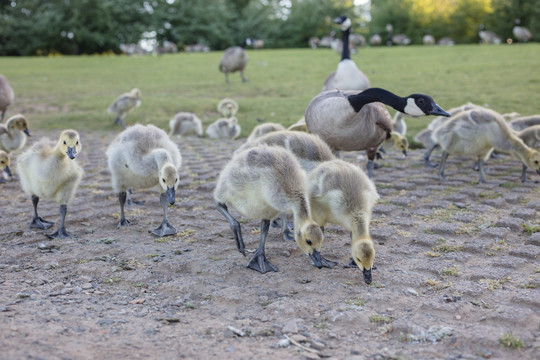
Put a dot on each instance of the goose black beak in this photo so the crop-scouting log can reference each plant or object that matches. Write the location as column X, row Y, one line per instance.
column 71, row 152
column 26, row 131
column 316, row 258
column 171, row 195
column 439, row 111
column 404, row 152
column 367, row 276
column 8, row 171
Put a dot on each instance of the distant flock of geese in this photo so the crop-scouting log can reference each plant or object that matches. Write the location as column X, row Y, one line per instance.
column 276, row 172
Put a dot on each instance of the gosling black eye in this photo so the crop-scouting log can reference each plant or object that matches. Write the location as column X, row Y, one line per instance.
column 77, row 143
column 3, row 162
column 176, row 180
column 64, row 142
column 309, row 242
column 536, row 162
column 163, row 179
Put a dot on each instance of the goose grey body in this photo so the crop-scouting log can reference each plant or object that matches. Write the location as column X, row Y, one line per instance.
column 6, row 96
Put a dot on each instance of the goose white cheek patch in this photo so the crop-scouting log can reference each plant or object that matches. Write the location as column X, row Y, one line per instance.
column 413, row 109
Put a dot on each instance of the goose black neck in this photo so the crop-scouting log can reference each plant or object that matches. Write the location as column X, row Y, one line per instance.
column 377, row 95
column 345, row 54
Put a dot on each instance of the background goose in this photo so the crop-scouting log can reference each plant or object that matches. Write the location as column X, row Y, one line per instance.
column 124, row 104
column 352, row 121
column 143, row 157
column 186, row 123
column 531, row 138
column 488, row 37
column 227, row 107
column 261, row 183
column 224, row 128
column 4, row 166
column 6, row 96
column 522, row 34
column 234, row 59
column 14, row 133
column 524, row 122
column 48, row 171
column 347, row 76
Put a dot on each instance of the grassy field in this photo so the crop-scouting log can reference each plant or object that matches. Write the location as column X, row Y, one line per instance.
column 61, row 92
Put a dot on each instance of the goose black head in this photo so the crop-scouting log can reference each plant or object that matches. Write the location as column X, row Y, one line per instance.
column 344, row 21
column 421, row 105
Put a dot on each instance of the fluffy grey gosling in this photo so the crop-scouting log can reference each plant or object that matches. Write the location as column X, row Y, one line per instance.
column 13, row 133
column 186, row 123
column 531, row 138
column 4, row 166
column 124, row 104
column 142, row 157
column 48, row 171
column 227, row 107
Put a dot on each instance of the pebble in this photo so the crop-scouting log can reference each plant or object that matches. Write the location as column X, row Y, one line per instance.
column 411, row 291
column 298, row 338
column 283, row 343
column 317, row 345
column 290, row 327
column 236, row 331
column 87, row 286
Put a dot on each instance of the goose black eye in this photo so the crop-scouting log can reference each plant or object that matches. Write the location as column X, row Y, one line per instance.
column 420, row 101
column 309, row 242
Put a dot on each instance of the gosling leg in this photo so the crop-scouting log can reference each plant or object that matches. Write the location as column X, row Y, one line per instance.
column 259, row 261
column 122, row 199
column 442, row 164
column 524, row 173
column 165, row 228
column 227, row 78
column 61, row 233
column 38, row 222
column 428, row 154
column 130, row 201
column 482, row 173
column 235, row 227
column 288, row 235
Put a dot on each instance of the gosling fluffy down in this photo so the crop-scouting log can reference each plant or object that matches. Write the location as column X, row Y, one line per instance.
column 4, row 166
column 186, row 124
column 224, row 128
column 263, row 129
column 13, row 133
column 124, row 104
column 227, row 108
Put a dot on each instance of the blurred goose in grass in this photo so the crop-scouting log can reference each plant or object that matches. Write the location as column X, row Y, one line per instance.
column 4, row 166
column 6, row 96
column 354, row 121
column 224, row 128
column 347, row 76
column 13, row 133
column 124, row 104
column 234, row 59
column 49, row 171
column 531, row 138
column 340, row 193
column 522, row 34
column 263, row 129
column 142, row 157
column 227, row 107
column 261, row 183
column 521, row 123
column 186, row 124
column 487, row 36
column 477, row 133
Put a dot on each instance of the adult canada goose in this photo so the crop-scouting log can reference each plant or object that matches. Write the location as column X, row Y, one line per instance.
column 531, row 138
column 477, row 133
column 142, row 157
column 352, row 121
column 48, row 171
column 340, row 193
column 347, row 76
column 4, row 166
column 401, row 39
column 522, row 34
column 6, row 96
column 375, row 39
column 263, row 129
column 234, row 59
column 227, row 107
column 524, row 122
column 13, row 133
column 488, row 37
column 186, row 123
column 428, row 39
column 224, row 128
column 124, row 104
column 261, row 183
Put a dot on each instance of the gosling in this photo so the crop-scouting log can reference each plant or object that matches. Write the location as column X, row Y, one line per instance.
column 263, row 129
column 227, row 108
column 124, row 104
column 4, row 166
column 263, row 182
column 143, row 157
column 300, row 125
column 187, row 124
column 531, row 138
column 48, row 171
column 340, row 193
column 13, row 133
column 478, row 132
column 224, row 128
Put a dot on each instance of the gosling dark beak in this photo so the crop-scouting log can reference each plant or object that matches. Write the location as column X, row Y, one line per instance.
column 404, row 152
column 439, row 111
column 367, row 276
column 170, row 195
column 71, row 152
column 8, row 171
column 381, row 149
column 316, row 258
column 27, row 131
column 538, row 171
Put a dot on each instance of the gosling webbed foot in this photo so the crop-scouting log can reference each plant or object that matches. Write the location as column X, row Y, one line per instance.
column 164, row 229
column 328, row 263
column 2, row 180
column 430, row 164
column 61, row 233
column 288, row 235
column 130, row 202
column 260, row 263
column 276, row 223
column 123, row 222
column 40, row 223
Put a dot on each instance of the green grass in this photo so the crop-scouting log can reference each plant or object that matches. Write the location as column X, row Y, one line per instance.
column 61, row 92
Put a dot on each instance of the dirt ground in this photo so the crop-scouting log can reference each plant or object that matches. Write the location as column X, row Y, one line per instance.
column 457, row 271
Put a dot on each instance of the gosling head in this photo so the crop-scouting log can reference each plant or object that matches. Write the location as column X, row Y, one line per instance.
column 20, row 123
column 69, row 143
column 168, row 180
column 533, row 161
column 136, row 93
column 344, row 21
column 310, row 238
column 4, row 162
column 363, row 254
column 421, row 105
column 400, row 142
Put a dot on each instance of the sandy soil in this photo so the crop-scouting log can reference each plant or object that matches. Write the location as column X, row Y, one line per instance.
column 455, row 271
